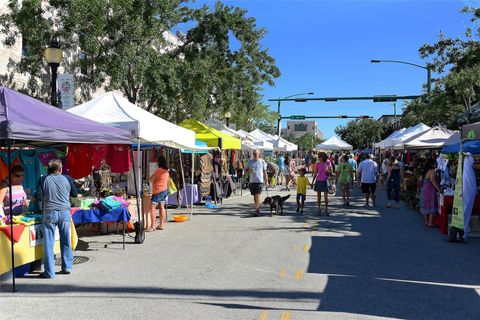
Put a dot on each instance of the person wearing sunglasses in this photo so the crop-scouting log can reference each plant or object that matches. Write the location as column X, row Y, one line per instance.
column 18, row 196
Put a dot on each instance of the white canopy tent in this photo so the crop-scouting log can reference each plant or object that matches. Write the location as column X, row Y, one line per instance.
column 258, row 143
column 434, row 138
column 146, row 128
column 279, row 144
column 334, row 143
column 411, row 133
column 116, row 111
column 381, row 144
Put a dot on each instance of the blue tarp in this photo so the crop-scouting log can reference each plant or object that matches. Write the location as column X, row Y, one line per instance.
column 472, row 146
column 198, row 143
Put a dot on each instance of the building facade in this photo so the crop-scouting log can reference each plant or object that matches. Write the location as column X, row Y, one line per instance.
column 391, row 120
column 298, row 128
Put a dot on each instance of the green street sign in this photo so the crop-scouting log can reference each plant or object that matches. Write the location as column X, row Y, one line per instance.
column 297, row 117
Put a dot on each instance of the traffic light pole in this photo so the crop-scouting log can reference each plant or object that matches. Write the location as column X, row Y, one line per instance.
column 327, row 117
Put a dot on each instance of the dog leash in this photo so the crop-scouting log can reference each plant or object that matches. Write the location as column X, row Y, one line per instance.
column 266, row 189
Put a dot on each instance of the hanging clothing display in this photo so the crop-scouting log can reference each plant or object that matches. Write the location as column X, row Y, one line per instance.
column 101, row 152
column 30, row 163
column 79, row 160
column 469, row 190
column 206, row 174
column 45, row 156
column 119, row 159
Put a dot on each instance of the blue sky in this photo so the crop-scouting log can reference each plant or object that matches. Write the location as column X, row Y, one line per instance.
column 325, row 47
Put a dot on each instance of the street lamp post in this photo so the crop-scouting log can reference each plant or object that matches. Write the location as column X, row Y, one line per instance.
column 278, row 107
column 427, row 67
column 53, row 55
column 227, row 115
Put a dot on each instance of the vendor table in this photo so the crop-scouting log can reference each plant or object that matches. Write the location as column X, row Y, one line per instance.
column 97, row 215
column 445, row 205
column 186, row 196
column 28, row 244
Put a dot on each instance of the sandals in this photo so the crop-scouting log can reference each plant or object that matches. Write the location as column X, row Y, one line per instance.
column 149, row 230
column 159, row 228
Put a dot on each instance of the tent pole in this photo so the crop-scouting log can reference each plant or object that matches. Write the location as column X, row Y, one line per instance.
column 136, row 187
column 10, row 204
column 192, row 180
column 183, row 180
column 139, row 181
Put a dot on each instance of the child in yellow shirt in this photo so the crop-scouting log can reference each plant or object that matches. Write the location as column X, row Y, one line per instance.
column 302, row 183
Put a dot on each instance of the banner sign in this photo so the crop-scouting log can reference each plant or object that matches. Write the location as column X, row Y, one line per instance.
column 457, row 213
column 37, row 236
column 66, row 87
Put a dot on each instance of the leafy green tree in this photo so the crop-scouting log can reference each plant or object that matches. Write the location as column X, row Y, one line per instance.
column 361, row 133
column 219, row 64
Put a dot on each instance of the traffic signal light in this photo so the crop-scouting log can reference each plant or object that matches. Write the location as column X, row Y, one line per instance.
column 364, row 117
column 342, row 116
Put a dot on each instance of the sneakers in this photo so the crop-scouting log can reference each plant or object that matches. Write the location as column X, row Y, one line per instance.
column 44, row 275
column 67, row 271
column 298, row 209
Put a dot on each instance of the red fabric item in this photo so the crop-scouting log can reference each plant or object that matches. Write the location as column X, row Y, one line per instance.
column 80, row 160
column 407, row 161
column 4, row 167
column 100, row 152
column 154, row 155
column 119, row 158
column 17, row 231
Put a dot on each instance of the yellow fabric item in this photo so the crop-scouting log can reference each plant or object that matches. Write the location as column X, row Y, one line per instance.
column 210, row 135
column 172, row 188
column 302, row 183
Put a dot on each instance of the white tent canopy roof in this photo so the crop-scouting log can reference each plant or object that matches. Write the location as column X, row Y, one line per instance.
column 434, row 138
column 116, row 111
column 247, row 144
column 279, row 144
column 394, row 135
column 334, row 143
column 408, row 135
column 259, row 143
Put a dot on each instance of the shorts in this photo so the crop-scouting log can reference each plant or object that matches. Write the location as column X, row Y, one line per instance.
column 301, row 197
column 345, row 187
column 369, row 187
column 255, row 188
column 159, row 197
column 321, row 186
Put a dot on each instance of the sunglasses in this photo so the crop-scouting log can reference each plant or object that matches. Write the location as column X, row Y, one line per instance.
column 18, row 175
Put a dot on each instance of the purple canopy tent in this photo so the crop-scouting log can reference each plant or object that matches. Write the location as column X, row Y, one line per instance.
column 24, row 119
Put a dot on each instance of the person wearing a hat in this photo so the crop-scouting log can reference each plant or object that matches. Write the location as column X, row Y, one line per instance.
column 368, row 170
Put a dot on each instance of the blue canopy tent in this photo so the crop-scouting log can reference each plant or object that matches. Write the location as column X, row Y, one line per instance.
column 472, row 146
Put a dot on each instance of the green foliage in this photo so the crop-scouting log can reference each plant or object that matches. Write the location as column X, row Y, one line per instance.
column 361, row 133
column 219, row 65
column 451, row 101
column 305, row 142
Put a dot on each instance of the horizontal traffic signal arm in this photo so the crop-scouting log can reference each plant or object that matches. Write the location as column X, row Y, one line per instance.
column 383, row 98
column 328, row 117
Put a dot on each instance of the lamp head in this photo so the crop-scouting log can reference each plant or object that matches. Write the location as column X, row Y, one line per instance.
column 375, row 61
column 227, row 115
column 53, row 54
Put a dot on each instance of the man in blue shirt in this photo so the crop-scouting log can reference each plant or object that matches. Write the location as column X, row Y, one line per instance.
column 54, row 192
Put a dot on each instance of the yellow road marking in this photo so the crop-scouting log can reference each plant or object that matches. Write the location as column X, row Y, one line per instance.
column 306, row 248
column 299, row 274
column 264, row 315
column 282, row 273
column 286, row 316
column 294, row 248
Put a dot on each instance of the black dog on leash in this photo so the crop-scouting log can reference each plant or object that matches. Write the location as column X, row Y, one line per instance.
column 275, row 202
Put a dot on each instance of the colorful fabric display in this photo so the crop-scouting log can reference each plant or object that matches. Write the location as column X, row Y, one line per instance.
column 45, row 156
column 17, row 231
column 30, row 163
column 79, row 160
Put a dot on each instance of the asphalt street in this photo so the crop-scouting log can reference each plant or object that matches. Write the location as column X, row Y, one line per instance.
column 357, row 263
